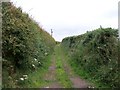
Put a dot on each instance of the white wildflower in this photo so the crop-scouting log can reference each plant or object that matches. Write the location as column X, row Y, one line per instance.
column 33, row 65
column 25, row 76
column 89, row 86
column 22, row 79
column 35, row 59
column 39, row 62
column 46, row 54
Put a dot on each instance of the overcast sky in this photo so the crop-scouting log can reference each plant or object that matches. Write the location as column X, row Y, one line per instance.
column 71, row 17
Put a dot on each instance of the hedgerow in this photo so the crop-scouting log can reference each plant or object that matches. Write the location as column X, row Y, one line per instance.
column 96, row 52
column 25, row 44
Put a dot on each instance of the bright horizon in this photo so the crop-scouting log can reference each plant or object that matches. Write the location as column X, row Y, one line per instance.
column 71, row 17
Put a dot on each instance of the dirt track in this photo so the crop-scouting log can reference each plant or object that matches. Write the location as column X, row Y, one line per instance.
column 50, row 76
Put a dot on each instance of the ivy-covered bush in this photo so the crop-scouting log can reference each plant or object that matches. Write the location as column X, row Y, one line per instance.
column 25, row 44
column 96, row 52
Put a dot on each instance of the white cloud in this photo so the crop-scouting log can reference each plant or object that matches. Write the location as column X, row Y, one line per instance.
column 71, row 17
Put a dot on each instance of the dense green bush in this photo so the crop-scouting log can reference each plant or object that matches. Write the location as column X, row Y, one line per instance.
column 96, row 52
column 25, row 45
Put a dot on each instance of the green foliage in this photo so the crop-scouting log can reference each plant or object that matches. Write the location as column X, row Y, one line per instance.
column 35, row 79
column 25, row 45
column 96, row 52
